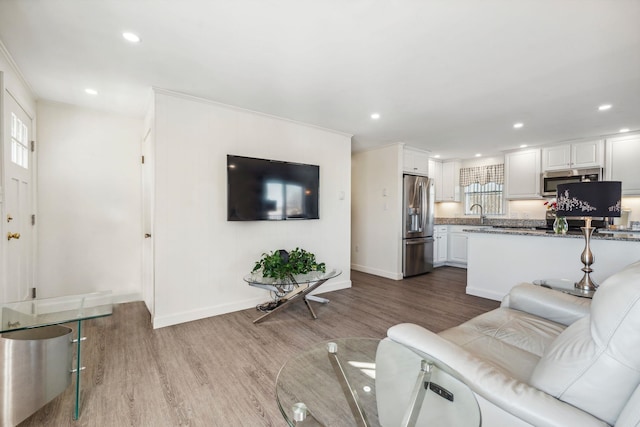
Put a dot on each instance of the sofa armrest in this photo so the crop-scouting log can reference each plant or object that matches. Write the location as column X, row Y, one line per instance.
column 546, row 303
column 515, row 397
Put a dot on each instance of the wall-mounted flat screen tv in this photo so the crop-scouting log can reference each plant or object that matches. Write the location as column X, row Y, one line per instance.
column 261, row 189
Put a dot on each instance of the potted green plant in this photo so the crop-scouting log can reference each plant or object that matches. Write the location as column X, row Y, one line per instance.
column 281, row 264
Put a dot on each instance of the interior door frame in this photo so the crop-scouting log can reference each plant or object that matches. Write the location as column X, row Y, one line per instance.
column 147, row 177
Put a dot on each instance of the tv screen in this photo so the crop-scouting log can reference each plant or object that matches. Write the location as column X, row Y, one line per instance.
column 261, row 189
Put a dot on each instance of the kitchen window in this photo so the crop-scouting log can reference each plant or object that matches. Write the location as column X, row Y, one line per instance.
column 483, row 185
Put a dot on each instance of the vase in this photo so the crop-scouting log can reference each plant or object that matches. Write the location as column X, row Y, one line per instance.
column 560, row 225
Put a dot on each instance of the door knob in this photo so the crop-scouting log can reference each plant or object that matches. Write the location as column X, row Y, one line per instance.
column 13, row 236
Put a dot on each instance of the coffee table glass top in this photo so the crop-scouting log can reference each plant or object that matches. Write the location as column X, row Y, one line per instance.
column 313, row 276
column 385, row 384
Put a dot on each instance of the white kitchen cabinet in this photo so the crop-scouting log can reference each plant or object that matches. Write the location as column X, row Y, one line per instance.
column 522, row 174
column 586, row 154
column 457, row 247
column 440, row 245
column 435, row 173
column 450, row 182
column 415, row 161
column 623, row 158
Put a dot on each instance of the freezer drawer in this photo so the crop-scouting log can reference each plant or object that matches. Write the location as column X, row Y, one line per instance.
column 417, row 256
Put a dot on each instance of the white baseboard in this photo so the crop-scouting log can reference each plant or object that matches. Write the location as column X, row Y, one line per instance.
column 456, row 264
column 204, row 312
column 484, row 293
column 382, row 273
column 122, row 298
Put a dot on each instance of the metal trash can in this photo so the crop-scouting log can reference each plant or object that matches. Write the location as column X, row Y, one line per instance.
column 34, row 368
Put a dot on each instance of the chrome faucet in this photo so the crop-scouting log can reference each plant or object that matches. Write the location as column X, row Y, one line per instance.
column 482, row 217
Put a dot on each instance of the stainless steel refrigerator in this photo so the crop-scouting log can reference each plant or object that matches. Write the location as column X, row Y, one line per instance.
column 417, row 225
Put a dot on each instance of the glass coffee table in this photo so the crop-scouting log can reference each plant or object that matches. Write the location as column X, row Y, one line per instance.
column 368, row 382
column 296, row 288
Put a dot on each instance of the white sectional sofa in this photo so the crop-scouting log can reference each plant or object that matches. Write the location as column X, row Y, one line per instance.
column 545, row 358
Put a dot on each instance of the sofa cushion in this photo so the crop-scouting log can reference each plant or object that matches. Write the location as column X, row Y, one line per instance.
column 598, row 355
column 509, row 339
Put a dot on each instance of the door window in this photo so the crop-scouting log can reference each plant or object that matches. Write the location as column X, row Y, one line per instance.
column 19, row 142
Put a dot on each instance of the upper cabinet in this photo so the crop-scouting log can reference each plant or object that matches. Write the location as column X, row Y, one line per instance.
column 435, row 173
column 446, row 178
column 569, row 156
column 415, row 161
column 522, row 174
column 450, row 182
column 623, row 158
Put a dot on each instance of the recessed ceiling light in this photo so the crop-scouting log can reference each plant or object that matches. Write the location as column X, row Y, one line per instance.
column 524, row 146
column 91, row 91
column 437, row 156
column 604, row 107
column 623, row 130
column 131, row 37
column 518, row 125
column 478, row 155
column 375, row 116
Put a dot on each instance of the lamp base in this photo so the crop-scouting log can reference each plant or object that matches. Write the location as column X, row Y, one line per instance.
column 586, row 284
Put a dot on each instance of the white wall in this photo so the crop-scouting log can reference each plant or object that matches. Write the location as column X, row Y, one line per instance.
column 376, row 212
column 89, row 202
column 200, row 257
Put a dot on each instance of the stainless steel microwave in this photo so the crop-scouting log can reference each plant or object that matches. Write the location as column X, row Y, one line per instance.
column 551, row 179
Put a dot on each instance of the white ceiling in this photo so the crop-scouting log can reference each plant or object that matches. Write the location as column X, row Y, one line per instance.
column 450, row 76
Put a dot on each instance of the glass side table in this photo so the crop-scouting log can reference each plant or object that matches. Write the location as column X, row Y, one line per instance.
column 29, row 324
column 564, row 285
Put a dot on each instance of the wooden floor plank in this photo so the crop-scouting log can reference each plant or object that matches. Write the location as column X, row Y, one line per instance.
column 221, row 371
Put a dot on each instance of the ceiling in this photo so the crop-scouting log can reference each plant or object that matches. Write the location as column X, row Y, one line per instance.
column 449, row 76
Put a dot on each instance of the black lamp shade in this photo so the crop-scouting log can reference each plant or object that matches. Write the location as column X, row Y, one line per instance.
column 599, row 198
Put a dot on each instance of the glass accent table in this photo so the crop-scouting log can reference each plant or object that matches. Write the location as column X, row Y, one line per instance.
column 564, row 285
column 367, row 382
column 296, row 288
column 39, row 313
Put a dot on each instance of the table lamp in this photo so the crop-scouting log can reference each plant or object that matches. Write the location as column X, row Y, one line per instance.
column 589, row 199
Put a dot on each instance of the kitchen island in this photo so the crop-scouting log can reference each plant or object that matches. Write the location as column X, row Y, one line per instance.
column 500, row 258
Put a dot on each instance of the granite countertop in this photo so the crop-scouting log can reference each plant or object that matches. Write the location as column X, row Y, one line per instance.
column 496, row 222
column 630, row 236
column 532, row 227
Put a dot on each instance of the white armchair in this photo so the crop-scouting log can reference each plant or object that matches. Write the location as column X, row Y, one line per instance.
column 545, row 358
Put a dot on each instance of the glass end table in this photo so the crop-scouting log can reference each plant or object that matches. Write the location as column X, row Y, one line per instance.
column 367, row 382
column 26, row 320
column 564, row 285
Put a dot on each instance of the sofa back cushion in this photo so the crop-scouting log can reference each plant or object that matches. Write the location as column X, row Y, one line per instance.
column 594, row 364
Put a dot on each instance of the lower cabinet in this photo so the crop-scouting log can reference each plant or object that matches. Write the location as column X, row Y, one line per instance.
column 458, row 249
column 440, row 244
column 450, row 245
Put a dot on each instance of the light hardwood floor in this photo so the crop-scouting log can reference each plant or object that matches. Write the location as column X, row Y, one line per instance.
column 221, row 371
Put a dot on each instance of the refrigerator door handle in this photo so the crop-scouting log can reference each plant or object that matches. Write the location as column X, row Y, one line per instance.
column 416, row 242
column 423, row 203
column 421, row 212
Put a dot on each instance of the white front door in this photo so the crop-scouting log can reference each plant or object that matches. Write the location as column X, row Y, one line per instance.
column 17, row 160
